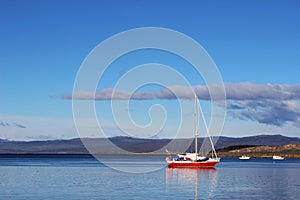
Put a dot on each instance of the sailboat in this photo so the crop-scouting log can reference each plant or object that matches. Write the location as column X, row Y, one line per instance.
column 194, row 160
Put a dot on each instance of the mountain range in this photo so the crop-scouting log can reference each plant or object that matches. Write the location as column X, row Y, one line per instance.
column 122, row 144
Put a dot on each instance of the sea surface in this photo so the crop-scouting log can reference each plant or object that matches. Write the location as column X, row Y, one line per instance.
column 144, row 177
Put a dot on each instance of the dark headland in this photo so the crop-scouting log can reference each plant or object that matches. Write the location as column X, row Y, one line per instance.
column 254, row 146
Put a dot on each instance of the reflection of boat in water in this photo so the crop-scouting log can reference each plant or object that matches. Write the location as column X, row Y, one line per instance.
column 191, row 183
column 243, row 157
column 278, row 158
column 194, row 160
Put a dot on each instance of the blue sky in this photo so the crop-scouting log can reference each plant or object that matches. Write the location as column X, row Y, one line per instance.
column 43, row 43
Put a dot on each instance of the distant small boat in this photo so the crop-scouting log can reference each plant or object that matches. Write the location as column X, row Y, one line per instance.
column 243, row 157
column 278, row 158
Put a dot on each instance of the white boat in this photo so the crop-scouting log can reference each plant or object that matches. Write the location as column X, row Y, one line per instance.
column 278, row 158
column 243, row 157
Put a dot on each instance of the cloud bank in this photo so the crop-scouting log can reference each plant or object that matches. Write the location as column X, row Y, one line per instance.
column 238, row 91
column 271, row 112
column 273, row 104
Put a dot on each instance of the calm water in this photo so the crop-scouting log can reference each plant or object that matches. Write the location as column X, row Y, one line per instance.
column 83, row 177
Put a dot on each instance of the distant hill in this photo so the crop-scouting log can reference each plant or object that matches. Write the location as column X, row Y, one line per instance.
column 1, row 140
column 267, row 140
column 123, row 144
column 287, row 151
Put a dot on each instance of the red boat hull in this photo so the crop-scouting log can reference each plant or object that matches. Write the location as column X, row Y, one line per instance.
column 191, row 164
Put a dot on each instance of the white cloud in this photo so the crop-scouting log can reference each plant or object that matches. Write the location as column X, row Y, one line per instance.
column 234, row 91
column 274, row 104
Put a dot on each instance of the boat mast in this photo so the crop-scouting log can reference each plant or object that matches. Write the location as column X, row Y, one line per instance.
column 196, row 123
column 208, row 135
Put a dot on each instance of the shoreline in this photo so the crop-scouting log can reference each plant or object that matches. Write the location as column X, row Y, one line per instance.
column 221, row 155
